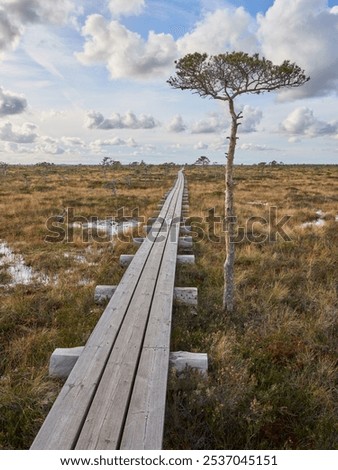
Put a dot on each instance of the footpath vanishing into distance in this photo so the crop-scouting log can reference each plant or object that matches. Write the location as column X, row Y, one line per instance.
column 115, row 393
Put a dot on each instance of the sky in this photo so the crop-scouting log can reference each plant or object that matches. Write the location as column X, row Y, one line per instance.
column 82, row 80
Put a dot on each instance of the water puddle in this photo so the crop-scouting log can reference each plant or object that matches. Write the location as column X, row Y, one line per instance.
column 14, row 271
column 108, row 226
column 319, row 221
column 314, row 223
column 14, row 265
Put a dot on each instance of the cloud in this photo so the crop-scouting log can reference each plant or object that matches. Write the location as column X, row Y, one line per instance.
column 115, row 141
column 216, row 123
column 306, row 32
column 124, row 52
column 127, row 55
column 96, row 120
column 11, row 147
column 259, row 148
column 298, row 30
column 51, row 149
column 302, row 121
column 9, row 32
column 39, row 11
column 73, row 141
column 219, row 31
column 176, row 124
column 26, row 134
column 251, row 118
column 15, row 15
column 201, row 146
column 126, row 7
column 213, row 124
column 220, row 144
column 11, row 103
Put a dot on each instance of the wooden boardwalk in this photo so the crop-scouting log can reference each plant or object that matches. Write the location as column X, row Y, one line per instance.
column 114, row 398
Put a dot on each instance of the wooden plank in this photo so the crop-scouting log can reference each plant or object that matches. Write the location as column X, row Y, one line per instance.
column 144, row 424
column 103, row 425
column 145, row 419
column 116, row 374
column 64, row 421
column 100, row 431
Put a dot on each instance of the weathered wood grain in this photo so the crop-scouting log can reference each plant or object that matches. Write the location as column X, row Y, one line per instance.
column 92, row 407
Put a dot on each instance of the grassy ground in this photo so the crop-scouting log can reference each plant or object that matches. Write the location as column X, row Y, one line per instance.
column 271, row 381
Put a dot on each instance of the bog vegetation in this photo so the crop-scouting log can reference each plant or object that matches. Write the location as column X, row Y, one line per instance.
column 271, row 381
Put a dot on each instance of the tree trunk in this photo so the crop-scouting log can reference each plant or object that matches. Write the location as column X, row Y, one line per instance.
column 229, row 282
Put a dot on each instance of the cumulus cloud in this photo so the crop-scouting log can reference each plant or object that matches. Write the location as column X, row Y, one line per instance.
column 115, row 141
column 126, row 7
column 9, row 32
column 176, row 124
column 299, row 30
column 26, row 134
column 201, row 146
column 212, row 124
column 11, row 147
column 73, row 141
column 96, row 120
column 124, row 52
column 220, row 144
column 259, row 148
column 11, row 103
column 302, row 121
column 220, row 30
column 306, row 32
column 51, row 149
column 251, row 118
column 15, row 15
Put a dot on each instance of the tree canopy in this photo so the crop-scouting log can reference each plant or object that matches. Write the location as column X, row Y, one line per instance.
column 225, row 76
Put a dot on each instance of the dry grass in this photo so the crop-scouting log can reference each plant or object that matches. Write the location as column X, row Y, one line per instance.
column 272, row 373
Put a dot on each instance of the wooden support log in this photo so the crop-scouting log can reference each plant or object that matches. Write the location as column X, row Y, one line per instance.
column 63, row 360
column 125, row 260
column 180, row 360
column 138, row 241
column 185, row 259
column 185, row 207
column 182, row 295
column 184, row 229
column 185, row 242
column 103, row 293
column 186, row 296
